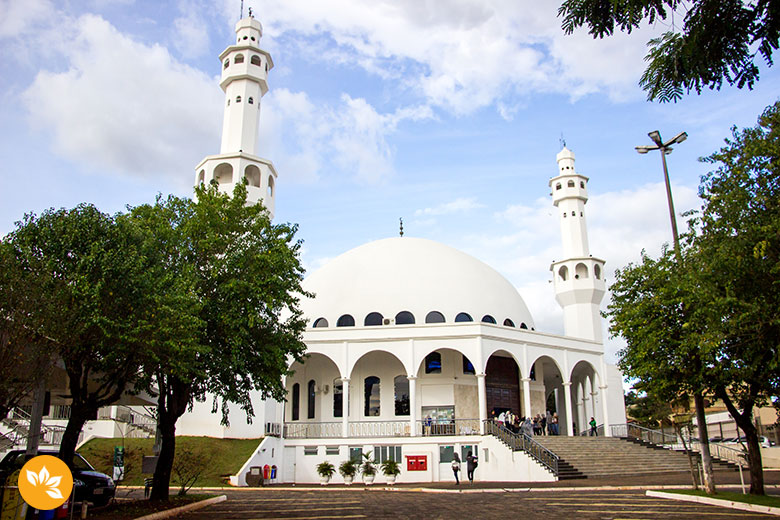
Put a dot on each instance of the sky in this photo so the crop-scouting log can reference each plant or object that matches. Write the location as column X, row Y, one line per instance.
column 448, row 113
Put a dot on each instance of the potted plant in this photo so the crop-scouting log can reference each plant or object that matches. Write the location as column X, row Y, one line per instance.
column 391, row 470
column 367, row 469
column 348, row 470
column 325, row 470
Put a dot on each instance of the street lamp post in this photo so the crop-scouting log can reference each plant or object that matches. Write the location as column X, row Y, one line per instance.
column 666, row 149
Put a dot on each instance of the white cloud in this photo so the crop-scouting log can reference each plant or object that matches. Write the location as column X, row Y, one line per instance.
column 19, row 17
column 126, row 107
column 458, row 205
column 308, row 140
column 191, row 33
column 467, row 54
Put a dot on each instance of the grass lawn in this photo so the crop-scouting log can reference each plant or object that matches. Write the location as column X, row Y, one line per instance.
column 766, row 500
column 137, row 508
column 220, row 457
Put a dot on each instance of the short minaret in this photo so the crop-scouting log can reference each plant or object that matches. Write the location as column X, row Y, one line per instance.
column 244, row 80
column 579, row 278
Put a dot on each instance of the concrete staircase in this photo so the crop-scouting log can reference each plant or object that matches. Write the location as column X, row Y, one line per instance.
column 610, row 456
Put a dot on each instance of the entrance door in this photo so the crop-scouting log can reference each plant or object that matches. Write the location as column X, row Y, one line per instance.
column 289, row 464
column 502, row 385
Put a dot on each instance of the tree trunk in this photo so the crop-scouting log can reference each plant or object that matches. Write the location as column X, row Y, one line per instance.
column 745, row 422
column 704, row 443
column 162, row 472
column 70, row 438
column 678, row 431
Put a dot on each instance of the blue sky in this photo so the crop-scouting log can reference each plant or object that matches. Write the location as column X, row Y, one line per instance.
column 447, row 113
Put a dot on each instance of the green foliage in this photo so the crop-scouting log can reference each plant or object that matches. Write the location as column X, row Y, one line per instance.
column 716, row 41
column 367, row 467
column 391, row 468
column 226, row 456
column 348, row 468
column 325, row 469
column 189, row 467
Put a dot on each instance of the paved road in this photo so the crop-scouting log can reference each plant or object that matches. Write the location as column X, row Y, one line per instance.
column 332, row 504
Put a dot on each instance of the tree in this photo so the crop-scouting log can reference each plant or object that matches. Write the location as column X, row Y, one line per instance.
column 707, row 322
column 245, row 275
column 92, row 304
column 739, row 274
column 21, row 342
column 718, row 40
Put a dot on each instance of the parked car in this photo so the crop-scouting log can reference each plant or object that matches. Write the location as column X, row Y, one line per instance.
column 89, row 485
column 762, row 441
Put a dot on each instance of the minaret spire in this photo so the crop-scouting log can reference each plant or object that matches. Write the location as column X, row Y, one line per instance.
column 244, row 80
column 579, row 278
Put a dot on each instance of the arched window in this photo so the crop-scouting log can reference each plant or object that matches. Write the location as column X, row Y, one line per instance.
column 311, row 391
column 223, row 173
column 270, row 186
column 401, row 387
column 373, row 319
column 346, row 321
column 509, row 323
column 250, row 100
column 468, row 367
column 523, row 326
column 487, row 318
column 597, row 272
column 201, row 177
column 296, row 401
column 238, row 99
column 581, row 271
column 434, row 317
column 558, row 186
column 320, row 323
column 463, row 316
column 582, row 184
column 563, row 272
column 404, row 318
column 570, row 184
column 255, row 60
column 338, row 398
column 573, row 213
column 228, row 102
column 252, row 174
column 239, row 58
column 371, row 393
column 433, row 363
column 227, row 63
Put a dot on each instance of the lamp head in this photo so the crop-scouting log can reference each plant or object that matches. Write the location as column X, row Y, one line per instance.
column 679, row 138
column 655, row 135
column 643, row 149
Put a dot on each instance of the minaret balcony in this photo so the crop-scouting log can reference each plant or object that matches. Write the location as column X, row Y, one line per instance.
column 579, row 280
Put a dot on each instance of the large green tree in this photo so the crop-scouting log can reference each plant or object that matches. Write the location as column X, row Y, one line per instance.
column 706, row 321
column 93, row 304
column 244, row 274
column 709, row 41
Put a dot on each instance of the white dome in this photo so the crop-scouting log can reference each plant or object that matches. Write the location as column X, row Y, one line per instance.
column 415, row 275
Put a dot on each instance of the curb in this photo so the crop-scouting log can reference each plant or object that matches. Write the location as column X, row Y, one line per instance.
column 753, row 508
column 189, row 507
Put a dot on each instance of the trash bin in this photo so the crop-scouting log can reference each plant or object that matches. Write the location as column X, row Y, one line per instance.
column 254, row 477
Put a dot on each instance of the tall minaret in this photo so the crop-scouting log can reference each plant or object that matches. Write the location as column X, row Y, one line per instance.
column 579, row 278
column 244, row 80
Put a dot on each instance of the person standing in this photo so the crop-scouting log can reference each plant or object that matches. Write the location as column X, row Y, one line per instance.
column 471, row 465
column 592, row 423
column 456, row 467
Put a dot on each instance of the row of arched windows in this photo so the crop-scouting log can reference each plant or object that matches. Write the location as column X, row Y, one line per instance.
column 570, row 184
column 372, row 406
column 223, row 174
column 407, row 318
column 580, row 271
column 254, row 60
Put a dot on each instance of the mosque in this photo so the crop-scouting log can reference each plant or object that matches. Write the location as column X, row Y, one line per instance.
column 413, row 345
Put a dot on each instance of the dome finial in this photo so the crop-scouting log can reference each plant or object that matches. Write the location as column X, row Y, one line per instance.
column 562, row 141
column 401, row 220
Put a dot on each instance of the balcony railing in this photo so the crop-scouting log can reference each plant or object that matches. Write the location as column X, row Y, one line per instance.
column 368, row 429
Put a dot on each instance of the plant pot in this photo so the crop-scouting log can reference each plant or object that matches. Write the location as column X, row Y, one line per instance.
column 368, row 479
column 348, row 480
column 391, row 479
column 324, row 479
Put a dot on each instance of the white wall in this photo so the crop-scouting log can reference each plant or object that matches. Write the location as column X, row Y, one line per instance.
column 270, row 452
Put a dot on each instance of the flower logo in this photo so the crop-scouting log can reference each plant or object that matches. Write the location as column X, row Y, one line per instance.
column 45, row 482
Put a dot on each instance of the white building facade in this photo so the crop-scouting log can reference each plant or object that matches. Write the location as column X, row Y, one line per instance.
column 412, row 346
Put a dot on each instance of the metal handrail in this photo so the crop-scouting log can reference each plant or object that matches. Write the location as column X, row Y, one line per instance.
column 522, row 442
column 442, row 427
column 659, row 438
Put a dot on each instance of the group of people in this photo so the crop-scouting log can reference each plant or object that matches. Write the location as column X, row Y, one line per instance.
column 540, row 425
column 471, row 465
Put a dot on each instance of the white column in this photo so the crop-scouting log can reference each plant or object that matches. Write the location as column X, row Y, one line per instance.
column 345, row 407
column 482, row 393
column 527, row 396
column 604, row 408
column 557, row 401
column 412, row 405
column 569, row 416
